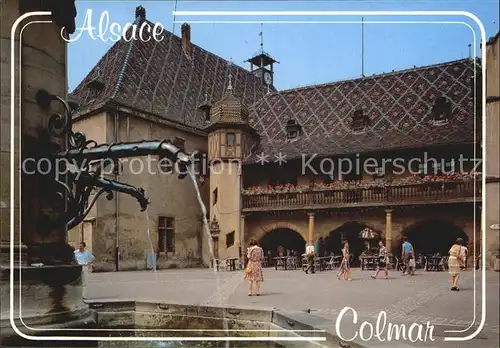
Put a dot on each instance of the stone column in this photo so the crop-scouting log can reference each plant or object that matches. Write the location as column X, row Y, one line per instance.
column 40, row 63
column 311, row 228
column 388, row 229
column 240, row 237
column 242, row 242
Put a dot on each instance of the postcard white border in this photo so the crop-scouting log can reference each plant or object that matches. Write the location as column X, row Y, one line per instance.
column 249, row 13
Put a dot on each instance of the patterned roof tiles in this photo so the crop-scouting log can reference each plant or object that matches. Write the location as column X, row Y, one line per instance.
column 398, row 106
column 159, row 78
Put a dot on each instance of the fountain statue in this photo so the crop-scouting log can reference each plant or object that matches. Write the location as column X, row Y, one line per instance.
column 59, row 173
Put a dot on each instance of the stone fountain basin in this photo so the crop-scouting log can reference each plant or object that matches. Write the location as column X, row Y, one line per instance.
column 150, row 318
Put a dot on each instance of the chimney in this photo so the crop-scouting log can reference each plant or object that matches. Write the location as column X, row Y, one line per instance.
column 186, row 39
column 140, row 14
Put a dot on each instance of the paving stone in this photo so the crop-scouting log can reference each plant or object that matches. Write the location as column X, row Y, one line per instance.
column 425, row 297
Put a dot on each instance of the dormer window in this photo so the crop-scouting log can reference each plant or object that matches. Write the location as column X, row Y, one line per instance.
column 204, row 112
column 96, row 85
column 441, row 112
column 72, row 103
column 204, row 109
column 359, row 122
column 293, row 130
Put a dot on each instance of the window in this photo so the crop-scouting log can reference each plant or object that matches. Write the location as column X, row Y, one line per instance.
column 359, row 122
column 229, row 239
column 230, row 138
column 204, row 109
column 441, row 112
column 215, row 196
column 434, row 167
column 293, row 130
column 166, row 234
column 328, row 179
column 281, row 177
column 379, row 172
column 204, row 113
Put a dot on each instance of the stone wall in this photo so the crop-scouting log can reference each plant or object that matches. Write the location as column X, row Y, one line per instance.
column 169, row 196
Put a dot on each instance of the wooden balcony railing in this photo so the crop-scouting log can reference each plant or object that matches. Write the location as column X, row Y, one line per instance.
column 428, row 193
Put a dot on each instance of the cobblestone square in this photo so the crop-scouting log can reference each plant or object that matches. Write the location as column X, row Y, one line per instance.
column 406, row 299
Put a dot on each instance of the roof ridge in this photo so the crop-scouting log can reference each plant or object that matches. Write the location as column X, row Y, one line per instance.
column 396, row 72
column 96, row 65
column 125, row 60
column 203, row 50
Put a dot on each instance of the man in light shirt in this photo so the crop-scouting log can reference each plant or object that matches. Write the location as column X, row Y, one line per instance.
column 84, row 258
column 310, row 258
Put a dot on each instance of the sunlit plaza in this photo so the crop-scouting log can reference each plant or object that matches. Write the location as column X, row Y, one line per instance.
column 257, row 184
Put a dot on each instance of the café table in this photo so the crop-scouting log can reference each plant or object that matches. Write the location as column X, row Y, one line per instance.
column 323, row 261
column 368, row 262
column 280, row 261
column 433, row 263
column 232, row 263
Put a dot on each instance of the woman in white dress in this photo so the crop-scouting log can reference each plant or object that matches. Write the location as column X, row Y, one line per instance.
column 454, row 263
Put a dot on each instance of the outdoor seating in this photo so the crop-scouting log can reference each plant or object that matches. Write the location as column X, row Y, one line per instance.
column 333, row 262
column 434, row 263
column 264, row 262
column 420, row 261
column 398, row 264
column 443, row 264
column 304, row 262
column 368, row 262
column 291, row 262
column 281, row 262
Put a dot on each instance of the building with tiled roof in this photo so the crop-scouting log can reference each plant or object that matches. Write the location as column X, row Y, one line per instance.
column 170, row 79
column 398, row 108
column 278, row 158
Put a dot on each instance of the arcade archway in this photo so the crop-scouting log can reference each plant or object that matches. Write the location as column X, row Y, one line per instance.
column 434, row 236
column 352, row 232
column 286, row 238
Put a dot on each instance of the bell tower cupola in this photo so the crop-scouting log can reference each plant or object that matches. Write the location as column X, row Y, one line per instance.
column 229, row 134
column 262, row 64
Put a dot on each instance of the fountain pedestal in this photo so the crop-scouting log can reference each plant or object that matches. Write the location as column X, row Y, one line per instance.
column 49, row 296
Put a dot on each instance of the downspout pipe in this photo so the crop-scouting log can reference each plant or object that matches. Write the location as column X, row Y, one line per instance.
column 116, row 174
column 240, row 237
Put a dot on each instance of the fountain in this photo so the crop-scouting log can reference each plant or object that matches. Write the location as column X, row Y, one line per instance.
column 72, row 183
column 46, row 294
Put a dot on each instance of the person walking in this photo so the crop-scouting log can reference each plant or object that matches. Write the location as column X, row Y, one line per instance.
column 455, row 263
column 408, row 256
column 310, row 254
column 345, row 267
column 382, row 261
column 84, row 258
column 464, row 254
column 253, row 271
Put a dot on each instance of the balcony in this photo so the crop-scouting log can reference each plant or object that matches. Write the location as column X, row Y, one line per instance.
column 401, row 194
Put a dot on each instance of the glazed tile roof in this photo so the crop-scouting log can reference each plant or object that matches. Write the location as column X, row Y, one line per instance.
column 398, row 105
column 159, row 78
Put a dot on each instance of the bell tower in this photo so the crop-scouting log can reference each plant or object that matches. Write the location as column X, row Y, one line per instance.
column 230, row 139
column 261, row 64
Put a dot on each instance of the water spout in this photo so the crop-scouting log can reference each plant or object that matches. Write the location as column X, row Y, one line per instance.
column 210, row 245
column 161, row 148
column 107, row 186
column 154, row 261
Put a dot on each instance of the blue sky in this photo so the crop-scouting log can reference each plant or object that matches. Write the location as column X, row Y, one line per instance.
column 308, row 53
